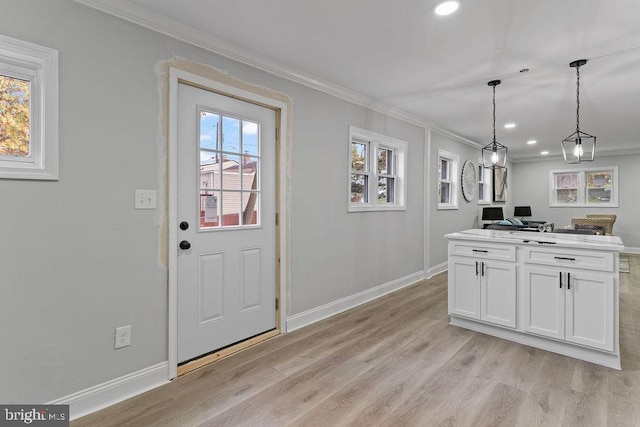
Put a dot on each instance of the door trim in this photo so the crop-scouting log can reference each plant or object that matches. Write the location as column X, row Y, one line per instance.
column 177, row 76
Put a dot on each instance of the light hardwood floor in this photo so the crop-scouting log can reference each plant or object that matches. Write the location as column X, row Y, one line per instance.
column 396, row 362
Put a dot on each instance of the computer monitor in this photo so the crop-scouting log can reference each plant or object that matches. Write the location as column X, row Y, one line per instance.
column 522, row 211
column 492, row 214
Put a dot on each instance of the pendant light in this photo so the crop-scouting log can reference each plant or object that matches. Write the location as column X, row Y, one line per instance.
column 579, row 146
column 494, row 154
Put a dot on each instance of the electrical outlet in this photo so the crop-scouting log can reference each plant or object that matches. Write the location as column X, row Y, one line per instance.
column 123, row 336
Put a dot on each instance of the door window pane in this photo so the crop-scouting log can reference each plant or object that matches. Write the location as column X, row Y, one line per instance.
column 250, row 208
column 250, row 138
column 209, row 208
column 230, row 208
column 231, row 168
column 209, row 130
column 230, row 135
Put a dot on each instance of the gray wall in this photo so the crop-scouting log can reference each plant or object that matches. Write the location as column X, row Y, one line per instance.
column 469, row 214
column 77, row 260
column 532, row 183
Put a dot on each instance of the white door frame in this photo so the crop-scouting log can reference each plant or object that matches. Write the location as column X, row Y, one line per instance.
column 175, row 77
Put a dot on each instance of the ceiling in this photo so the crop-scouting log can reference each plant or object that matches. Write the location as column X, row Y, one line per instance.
column 399, row 56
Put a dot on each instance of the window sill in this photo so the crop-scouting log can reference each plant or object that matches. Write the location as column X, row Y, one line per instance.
column 376, row 208
column 447, row 207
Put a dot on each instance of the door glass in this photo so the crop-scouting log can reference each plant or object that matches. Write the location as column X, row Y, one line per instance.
column 229, row 182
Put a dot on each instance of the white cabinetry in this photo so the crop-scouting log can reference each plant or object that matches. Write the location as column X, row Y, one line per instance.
column 552, row 291
column 569, row 303
column 480, row 287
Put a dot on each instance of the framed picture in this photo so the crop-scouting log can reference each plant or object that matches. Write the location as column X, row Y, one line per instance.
column 500, row 185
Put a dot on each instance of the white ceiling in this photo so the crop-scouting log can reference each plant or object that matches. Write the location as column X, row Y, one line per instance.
column 397, row 54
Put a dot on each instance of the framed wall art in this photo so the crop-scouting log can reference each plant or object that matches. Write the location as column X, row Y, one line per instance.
column 500, row 185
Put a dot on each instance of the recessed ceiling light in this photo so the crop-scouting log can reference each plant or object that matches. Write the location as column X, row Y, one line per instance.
column 445, row 8
column 509, row 125
column 531, row 141
column 544, row 153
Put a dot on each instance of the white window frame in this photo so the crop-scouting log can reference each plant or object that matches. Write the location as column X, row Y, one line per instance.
column 39, row 66
column 452, row 179
column 582, row 187
column 374, row 141
column 485, row 181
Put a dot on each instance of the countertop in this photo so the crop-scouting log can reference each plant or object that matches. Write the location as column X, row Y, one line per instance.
column 564, row 240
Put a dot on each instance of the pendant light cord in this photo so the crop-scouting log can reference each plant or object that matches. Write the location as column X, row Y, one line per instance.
column 577, row 101
column 494, row 114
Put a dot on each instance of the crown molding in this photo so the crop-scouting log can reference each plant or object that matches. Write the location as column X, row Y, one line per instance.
column 454, row 136
column 599, row 153
column 133, row 12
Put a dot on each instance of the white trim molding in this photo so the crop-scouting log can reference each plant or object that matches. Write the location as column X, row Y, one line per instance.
column 100, row 396
column 176, row 76
column 37, row 65
column 325, row 311
column 437, row 269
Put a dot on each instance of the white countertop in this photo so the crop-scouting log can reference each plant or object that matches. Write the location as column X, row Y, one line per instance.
column 566, row 240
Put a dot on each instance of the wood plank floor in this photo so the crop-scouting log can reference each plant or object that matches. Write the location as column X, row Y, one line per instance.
column 396, row 362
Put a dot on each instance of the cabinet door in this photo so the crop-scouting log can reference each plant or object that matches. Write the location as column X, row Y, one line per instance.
column 498, row 293
column 543, row 302
column 464, row 287
column 589, row 310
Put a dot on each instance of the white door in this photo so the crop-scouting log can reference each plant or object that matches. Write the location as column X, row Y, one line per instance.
column 226, row 216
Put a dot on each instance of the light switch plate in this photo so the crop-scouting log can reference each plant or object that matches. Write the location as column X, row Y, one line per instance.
column 146, row 199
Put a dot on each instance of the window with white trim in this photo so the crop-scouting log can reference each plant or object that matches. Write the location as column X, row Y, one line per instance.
column 28, row 111
column 447, row 180
column 593, row 187
column 484, row 184
column 377, row 171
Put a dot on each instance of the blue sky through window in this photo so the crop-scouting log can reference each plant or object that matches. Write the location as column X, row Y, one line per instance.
column 239, row 136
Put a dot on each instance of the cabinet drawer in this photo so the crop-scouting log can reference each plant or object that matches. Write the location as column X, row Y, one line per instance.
column 483, row 250
column 563, row 258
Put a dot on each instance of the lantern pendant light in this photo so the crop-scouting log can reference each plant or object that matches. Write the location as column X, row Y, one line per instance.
column 494, row 154
column 579, row 146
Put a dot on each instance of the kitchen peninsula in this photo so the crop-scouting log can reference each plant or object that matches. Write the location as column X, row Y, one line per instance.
column 557, row 292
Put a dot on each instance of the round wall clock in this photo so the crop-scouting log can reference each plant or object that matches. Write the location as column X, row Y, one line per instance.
column 468, row 180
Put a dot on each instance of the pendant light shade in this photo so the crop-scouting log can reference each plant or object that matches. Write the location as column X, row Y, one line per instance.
column 579, row 146
column 494, row 154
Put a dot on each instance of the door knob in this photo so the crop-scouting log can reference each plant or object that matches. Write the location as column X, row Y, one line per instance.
column 184, row 245
column 184, row 225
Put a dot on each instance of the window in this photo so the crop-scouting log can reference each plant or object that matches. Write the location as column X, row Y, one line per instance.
column 230, row 162
column 484, row 184
column 447, row 180
column 28, row 111
column 594, row 187
column 377, row 170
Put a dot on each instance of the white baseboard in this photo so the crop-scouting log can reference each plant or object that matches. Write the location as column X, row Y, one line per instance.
column 94, row 398
column 628, row 250
column 316, row 314
column 437, row 269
